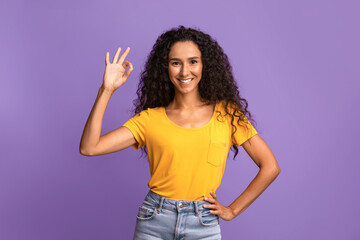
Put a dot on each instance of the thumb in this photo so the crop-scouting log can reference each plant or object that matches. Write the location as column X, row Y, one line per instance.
column 129, row 70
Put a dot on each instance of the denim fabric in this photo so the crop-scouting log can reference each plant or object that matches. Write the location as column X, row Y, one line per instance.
column 163, row 218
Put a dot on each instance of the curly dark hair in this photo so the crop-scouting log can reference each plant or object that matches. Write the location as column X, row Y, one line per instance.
column 217, row 83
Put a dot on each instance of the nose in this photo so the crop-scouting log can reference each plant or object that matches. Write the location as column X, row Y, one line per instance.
column 184, row 70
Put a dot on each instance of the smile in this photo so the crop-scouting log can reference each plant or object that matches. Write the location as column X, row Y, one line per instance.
column 185, row 80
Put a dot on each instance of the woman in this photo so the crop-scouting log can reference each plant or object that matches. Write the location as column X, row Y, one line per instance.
column 188, row 115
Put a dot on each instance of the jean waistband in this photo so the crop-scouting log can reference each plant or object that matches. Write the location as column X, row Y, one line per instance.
column 175, row 205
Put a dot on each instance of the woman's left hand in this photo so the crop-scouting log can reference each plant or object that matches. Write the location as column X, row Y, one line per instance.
column 225, row 213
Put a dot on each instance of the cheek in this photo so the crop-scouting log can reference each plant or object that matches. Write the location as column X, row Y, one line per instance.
column 198, row 70
column 172, row 72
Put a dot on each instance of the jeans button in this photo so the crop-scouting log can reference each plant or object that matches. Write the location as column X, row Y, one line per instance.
column 180, row 204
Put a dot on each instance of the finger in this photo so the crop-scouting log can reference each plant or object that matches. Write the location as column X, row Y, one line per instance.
column 107, row 60
column 213, row 194
column 131, row 68
column 211, row 200
column 128, row 72
column 123, row 56
column 214, row 212
column 212, row 206
column 116, row 55
column 127, row 64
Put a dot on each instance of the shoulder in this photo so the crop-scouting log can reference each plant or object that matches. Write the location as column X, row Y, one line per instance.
column 149, row 113
column 221, row 106
column 233, row 115
column 232, row 109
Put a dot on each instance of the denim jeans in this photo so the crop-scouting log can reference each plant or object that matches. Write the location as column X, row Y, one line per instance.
column 163, row 218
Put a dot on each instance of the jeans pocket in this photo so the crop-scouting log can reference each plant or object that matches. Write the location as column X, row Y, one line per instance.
column 206, row 218
column 216, row 153
column 146, row 211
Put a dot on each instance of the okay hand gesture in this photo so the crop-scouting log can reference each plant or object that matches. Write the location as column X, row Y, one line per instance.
column 115, row 73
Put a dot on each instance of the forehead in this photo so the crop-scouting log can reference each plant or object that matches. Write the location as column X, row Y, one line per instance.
column 184, row 50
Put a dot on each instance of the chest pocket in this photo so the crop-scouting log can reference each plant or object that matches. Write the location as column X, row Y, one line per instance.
column 217, row 152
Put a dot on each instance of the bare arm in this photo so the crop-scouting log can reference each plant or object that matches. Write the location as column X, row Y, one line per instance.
column 91, row 142
column 261, row 154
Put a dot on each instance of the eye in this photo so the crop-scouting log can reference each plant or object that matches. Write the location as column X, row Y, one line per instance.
column 175, row 63
column 193, row 61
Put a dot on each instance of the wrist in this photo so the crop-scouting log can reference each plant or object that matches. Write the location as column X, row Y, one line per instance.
column 106, row 90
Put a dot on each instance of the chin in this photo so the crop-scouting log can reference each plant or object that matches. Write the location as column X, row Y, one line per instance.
column 186, row 90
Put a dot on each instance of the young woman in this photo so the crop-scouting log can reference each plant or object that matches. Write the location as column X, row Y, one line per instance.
column 187, row 117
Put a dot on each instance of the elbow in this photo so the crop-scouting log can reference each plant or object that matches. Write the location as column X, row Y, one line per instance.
column 85, row 152
column 273, row 170
column 278, row 170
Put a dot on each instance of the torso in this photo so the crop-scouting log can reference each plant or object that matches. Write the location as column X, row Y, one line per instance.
column 192, row 118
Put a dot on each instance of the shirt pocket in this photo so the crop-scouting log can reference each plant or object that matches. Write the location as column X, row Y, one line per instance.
column 217, row 152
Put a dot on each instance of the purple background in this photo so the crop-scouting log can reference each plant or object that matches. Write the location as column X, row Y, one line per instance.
column 296, row 62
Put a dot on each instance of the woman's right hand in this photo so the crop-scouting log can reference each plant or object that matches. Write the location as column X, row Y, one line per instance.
column 115, row 75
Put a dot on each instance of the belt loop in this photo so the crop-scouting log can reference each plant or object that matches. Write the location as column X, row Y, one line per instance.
column 196, row 208
column 160, row 206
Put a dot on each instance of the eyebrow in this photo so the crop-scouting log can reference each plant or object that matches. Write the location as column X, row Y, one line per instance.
column 178, row 59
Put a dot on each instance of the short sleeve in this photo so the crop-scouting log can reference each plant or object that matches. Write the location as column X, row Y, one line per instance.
column 137, row 125
column 243, row 132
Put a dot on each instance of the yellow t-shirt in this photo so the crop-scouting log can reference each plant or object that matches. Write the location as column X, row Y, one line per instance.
column 185, row 163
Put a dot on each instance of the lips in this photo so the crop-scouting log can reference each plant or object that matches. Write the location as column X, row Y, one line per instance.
column 187, row 80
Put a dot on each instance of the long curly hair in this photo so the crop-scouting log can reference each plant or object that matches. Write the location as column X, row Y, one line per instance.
column 217, row 83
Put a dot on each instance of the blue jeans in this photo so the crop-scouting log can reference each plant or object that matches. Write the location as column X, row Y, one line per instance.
column 163, row 218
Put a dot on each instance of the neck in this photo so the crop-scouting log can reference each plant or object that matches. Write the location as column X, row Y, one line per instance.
column 185, row 101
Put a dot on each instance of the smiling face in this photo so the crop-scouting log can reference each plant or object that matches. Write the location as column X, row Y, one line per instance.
column 185, row 66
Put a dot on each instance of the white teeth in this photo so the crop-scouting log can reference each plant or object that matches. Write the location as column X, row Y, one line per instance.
column 186, row 81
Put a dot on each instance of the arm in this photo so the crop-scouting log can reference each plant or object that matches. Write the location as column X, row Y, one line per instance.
column 91, row 142
column 261, row 154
